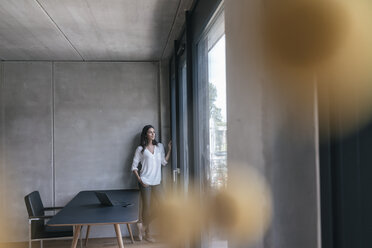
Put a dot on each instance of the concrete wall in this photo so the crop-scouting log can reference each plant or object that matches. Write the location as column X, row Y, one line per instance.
column 270, row 131
column 26, row 141
column 71, row 126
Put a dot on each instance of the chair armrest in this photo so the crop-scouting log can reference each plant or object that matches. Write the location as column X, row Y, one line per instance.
column 40, row 217
column 52, row 208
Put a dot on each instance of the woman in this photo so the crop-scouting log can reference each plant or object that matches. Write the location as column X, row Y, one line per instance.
column 151, row 155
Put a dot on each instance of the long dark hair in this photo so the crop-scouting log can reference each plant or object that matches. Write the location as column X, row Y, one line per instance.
column 144, row 142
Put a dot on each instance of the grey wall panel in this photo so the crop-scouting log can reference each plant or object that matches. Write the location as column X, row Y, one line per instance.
column 100, row 109
column 290, row 154
column 271, row 132
column 88, row 115
column 26, row 139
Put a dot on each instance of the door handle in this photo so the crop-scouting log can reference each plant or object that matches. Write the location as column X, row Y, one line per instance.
column 175, row 173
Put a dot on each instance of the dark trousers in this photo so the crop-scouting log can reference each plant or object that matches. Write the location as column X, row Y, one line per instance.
column 150, row 195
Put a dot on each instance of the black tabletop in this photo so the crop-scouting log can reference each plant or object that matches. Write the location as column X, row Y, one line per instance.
column 85, row 208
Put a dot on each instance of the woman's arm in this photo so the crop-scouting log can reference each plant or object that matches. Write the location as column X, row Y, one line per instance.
column 136, row 160
column 169, row 151
column 139, row 178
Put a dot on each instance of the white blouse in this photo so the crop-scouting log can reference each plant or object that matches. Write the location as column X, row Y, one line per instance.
column 151, row 164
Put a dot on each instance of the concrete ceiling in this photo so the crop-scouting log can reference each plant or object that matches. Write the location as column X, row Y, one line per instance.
column 88, row 30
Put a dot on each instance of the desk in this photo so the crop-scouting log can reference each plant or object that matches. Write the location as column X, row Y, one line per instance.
column 85, row 209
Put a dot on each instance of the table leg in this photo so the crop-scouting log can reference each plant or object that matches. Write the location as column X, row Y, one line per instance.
column 130, row 233
column 87, row 236
column 118, row 235
column 76, row 236
column 81, row 234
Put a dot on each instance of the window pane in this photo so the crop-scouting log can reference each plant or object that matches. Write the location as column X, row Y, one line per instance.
column 217, row 114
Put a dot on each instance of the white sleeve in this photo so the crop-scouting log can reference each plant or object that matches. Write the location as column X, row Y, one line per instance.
column 163, row 161
column 137, row 158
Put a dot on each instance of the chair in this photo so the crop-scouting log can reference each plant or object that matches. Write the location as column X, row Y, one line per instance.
column 37, row 229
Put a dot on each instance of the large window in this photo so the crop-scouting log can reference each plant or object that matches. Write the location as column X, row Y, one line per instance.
column 198, row 108
column 211, row 109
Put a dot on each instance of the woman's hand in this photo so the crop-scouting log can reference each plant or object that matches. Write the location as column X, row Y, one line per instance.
column 143, row 184
column 169, row 151
column 139, row 179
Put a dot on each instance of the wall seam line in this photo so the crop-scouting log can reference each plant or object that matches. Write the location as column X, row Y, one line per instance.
column 53, row 128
